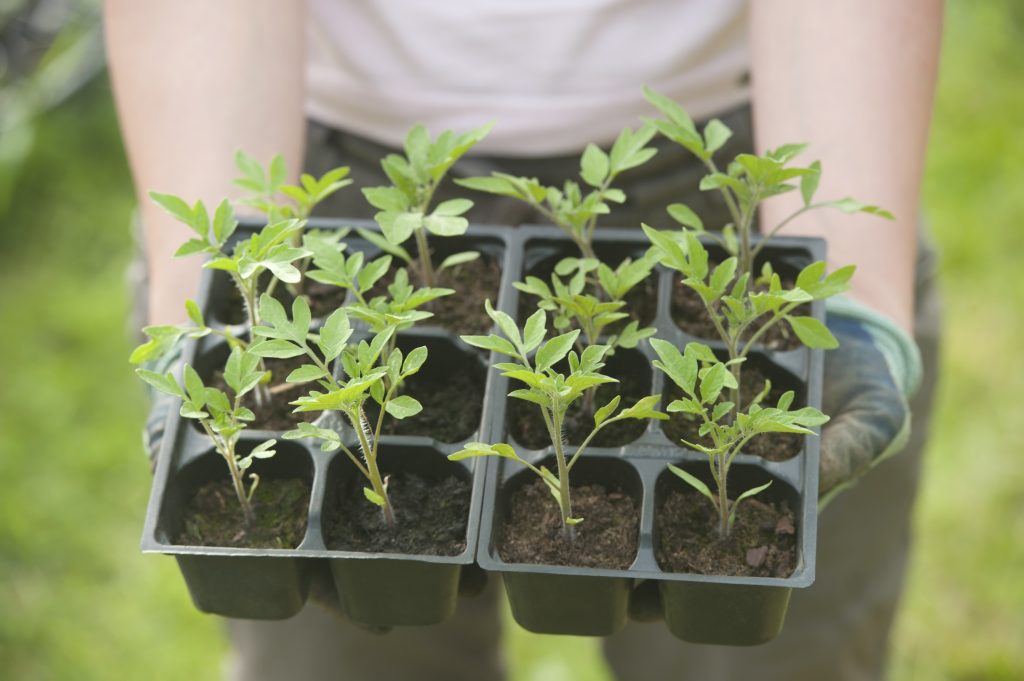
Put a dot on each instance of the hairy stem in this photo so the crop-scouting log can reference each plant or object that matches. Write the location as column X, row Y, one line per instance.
column 361, row 426
column 227, row 450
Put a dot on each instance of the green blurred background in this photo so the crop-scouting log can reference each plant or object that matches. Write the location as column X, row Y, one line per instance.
column 78, row 600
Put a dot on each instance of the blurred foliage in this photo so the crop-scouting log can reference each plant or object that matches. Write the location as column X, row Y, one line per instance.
column 80, row 601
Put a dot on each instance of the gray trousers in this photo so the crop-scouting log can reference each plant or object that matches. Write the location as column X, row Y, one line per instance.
column 836, row 630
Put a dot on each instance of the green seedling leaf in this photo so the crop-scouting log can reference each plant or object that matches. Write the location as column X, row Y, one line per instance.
column 495, row 343
column 335, row 333
column 473, row 449
column 644, row 409
column 602, row 414
column 534, row 331
column 456, row 259
column 305, row 374
column 694, row 482
column 812, row 332
column 716, row 134
column 164, row 383
column 278, row 348
column 179, row 209
column 716, row 378
column 414, row 360
column 264, row 450
column 850, row 205
column 403, row 406
column 374, row 498
column 555, row 350
column 749, row 493
column 594, row 165
column 505, row 323
column 809, row 183
column 685, row 216
column 681, row 369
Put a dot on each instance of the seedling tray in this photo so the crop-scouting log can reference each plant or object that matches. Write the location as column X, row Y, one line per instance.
column 380, row 589
column 699, row 608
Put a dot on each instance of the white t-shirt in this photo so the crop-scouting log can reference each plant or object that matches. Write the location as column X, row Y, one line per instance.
column 551, row 74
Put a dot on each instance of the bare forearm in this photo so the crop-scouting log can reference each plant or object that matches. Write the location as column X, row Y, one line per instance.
column 855, row 78
column 194, row 82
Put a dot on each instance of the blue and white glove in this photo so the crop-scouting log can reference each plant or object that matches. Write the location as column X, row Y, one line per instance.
column 868, row 381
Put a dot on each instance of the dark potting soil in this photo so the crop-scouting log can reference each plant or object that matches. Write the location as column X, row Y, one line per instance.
column 463, row 311
column 213, row 517
column 526, row 423
column 276, row 414
column 323, row 299
column 691, row 316
column 452, row 404
column 430, row 517
column 762, row 542
column 769, row 446
column 608, row 537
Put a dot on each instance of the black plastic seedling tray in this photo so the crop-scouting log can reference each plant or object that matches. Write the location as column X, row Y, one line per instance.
column 384, row 589
column 381, row 589
column 699, row 608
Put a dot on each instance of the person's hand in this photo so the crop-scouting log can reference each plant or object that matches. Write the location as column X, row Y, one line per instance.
column 868, row 380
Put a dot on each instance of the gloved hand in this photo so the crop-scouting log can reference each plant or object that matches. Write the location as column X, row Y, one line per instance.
column 869, row 379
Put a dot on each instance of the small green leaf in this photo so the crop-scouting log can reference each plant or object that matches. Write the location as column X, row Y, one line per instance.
column 403, row 406
column 453, row 207
column 809, row 183
column 414, row 360
column 534, row 330
column 594, row 165
column 374, row 497
column 712, row 383
column 694, row 482
column 165, row 383
column 264, row 450
column 495, row 343
column 602, row 414
column 305, row 374
column 335, row 333
column 644, row 409
column 812, row 333
column 685, row 216
column 555, row 349
column 456, row 259
column 278, row 348
column 716, row 134
column 475, row 449
column 745, row 495
column 178, row 208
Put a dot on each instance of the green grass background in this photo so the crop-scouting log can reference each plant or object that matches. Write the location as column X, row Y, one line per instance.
column 78, row 600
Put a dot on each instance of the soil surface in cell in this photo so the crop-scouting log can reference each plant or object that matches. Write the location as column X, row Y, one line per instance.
column 213, row 516
column 323, row 299
column 762, row 542
column 230, row 309
column 769, row 446
column 691, row 316
column 608, row 537
column 463, row 311
column 526, row 423
column 277, row 413
column 452, row 404
column 430, row 517
column 641, row 301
